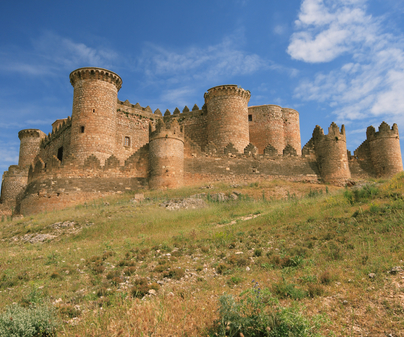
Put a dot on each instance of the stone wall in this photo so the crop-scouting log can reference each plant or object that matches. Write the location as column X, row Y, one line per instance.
column 228, row 116
column 58, row 193
column 195, row 124
column 245, row 169
column 331, row 154
column 166, row 156
column 13, row 183
column 93, row 128
column 385, row 149
column 30, row 142
column 56, row 144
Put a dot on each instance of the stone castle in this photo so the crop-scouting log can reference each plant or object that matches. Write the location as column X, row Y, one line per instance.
column 111, row 146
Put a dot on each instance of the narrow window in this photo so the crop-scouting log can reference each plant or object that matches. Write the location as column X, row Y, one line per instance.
column 127, row 141
column 60, row 153
column 93, row 110
column 250, row 118
column 81, row 129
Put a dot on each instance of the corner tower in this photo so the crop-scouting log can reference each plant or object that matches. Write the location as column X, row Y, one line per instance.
column 166, row 155
column 331, row 153
column 385, row 149
column 94, row 113
column 30, row 142
column 228, row 116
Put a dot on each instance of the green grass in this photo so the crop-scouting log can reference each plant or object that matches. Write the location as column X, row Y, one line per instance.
column 138, row 269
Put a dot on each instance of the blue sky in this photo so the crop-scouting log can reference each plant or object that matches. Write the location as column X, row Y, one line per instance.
column 332, row 60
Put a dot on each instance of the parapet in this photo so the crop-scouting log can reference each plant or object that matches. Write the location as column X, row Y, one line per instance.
column 170, row 129
column 94, row 73
column 32, row 133
column 227, row 90
column 384, row 131
column 334, row 133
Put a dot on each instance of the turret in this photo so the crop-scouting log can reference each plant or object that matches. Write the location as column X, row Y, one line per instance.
column 385, row 149
column 166, row 155
column 30, row 142
column 94, row 113
column 331, row 153
column 228, row 116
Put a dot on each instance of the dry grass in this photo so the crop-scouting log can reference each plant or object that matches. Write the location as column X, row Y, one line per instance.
column 311, row 246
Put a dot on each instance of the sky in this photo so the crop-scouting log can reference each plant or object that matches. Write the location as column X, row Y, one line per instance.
column 331, row 60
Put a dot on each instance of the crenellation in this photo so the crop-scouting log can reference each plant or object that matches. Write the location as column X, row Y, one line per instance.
column 109, row 145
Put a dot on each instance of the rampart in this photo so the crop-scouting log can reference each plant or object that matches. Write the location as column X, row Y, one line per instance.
column 112, row 146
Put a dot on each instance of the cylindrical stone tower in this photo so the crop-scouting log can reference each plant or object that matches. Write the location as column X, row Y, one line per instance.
column 14, row 182
column 292, row 129
column 331, row 153
column 30, row 142
column 385, row 149
column 228, row 116
column 166, row 155
column 275, row 134
column 94, row 113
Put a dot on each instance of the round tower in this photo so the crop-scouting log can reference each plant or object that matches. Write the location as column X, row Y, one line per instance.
column 331, row 153
column 30, row 142
column 14, row 182
column 385, row 149
column 292, row 129
column 93, row 128
column 228, row 116
column 166, row 155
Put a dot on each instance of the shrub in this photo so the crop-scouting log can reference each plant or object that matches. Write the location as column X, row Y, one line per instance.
column 257, row 252
column 222, row 268
column 141, row 288
column 255, row 314
column 176, row 273
column 234, row 280
column 315, row 290
column 326, row 277
column 129, row 271
column 38, row 321
column 285, row 290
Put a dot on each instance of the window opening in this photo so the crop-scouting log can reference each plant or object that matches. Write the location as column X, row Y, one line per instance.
column 60, row 153
column 81, row 129
column 127, row 141
column 250, row 118
column 93, row 110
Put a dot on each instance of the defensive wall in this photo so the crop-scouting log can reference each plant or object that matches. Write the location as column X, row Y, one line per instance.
column 111, row 146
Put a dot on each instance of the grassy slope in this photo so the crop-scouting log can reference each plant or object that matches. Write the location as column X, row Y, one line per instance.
column 314, row 251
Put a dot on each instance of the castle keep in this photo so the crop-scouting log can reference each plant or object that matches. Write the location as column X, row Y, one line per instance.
column 111, row 146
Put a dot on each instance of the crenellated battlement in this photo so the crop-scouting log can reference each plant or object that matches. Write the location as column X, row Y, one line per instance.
column 334, row 133
column 109, row 145
column 31, row 133
column 56, row 131
column 171, row 129
column 384, row 131
column 93, row 73
column 227, row 90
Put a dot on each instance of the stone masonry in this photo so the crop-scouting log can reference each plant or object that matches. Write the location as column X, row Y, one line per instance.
column 111, row 146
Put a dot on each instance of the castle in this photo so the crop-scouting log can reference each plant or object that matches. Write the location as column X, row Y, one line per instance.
column 111, row 146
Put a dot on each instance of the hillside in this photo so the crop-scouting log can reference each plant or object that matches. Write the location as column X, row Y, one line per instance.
column 310, row 259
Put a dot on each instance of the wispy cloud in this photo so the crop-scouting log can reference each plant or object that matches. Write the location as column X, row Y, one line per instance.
column 50, row 53
column 371, row 82
column 224, row 59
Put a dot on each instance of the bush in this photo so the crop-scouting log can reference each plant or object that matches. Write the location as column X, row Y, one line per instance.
column 285, row 290
column 141, row 288
column 257, row 313
column 38, row 321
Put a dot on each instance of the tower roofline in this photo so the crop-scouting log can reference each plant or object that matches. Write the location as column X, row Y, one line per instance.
column 89, row 72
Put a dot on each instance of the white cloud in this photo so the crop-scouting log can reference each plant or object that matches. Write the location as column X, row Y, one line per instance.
column 223, row 59
column 371, row 82
column 327, row 29
column 51, row 53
